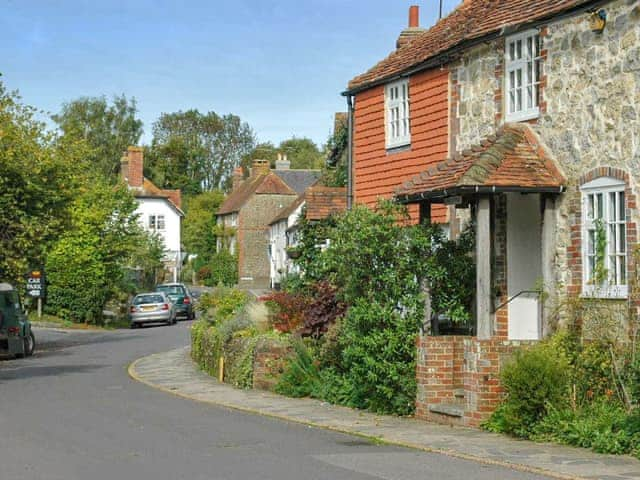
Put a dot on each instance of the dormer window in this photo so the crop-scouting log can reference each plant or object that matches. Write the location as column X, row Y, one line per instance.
column 523, row 72
column 397, row 128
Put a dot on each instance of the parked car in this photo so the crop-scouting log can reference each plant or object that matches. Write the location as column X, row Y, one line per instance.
column 151, row 307
column 181, row 296
column 16, row 336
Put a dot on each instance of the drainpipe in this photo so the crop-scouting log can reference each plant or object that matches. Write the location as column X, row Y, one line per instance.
column 350, row 109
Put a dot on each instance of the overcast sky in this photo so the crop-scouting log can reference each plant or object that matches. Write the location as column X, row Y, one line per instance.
column 279, row 65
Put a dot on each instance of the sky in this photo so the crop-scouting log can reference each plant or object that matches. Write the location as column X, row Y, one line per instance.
column 279, row 65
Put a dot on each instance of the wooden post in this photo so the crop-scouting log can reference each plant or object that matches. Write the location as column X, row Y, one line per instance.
column 483, row 269
column 548, row 254
column 221, row 369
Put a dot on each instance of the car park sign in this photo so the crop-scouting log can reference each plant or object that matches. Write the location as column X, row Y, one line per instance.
column 36, row 284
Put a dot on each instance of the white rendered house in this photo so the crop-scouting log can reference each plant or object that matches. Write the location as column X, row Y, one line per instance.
column 158, row 210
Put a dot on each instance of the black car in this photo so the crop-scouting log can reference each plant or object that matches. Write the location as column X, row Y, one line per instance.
column 181, row 297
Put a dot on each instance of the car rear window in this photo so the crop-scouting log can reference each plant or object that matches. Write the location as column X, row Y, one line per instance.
column 140, row 299
column 171, row 289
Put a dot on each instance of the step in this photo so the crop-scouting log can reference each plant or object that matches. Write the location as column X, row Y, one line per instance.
column 449, row 409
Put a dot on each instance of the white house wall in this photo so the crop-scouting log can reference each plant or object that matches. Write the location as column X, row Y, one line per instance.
column 171, row 234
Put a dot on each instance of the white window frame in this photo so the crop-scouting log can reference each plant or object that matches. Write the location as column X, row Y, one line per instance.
column 157, row 223
column 522, row 76
column 396, row 114
column 612, row 195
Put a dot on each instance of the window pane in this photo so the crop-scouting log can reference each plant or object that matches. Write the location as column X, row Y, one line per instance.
column 519, row 99
column 613, row 270
column 519, row 78
column 590, row 206
column 591, row 242
column 622, row 236
column 529, row 97
column 600, row 206
column 530, row 47
column 612, row 241
column 512, row 51
column 623, row 270
column 621, row 207
column 512, row 102
column 536, row 40
column 519, row 49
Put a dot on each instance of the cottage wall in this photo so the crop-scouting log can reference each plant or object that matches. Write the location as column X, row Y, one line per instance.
column 253, row 238
column 378, row 171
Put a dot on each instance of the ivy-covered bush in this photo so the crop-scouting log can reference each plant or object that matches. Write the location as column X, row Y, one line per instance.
column 222, row 303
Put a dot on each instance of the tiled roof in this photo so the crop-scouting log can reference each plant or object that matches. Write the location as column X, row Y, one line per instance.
column 286, row 211
column 513, row 159
column 469, row 21
column 262, row 184
column 325, row 201
column 298, row 180
column 150, row 190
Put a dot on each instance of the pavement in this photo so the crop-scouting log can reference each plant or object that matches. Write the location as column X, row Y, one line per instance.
column 174, row 372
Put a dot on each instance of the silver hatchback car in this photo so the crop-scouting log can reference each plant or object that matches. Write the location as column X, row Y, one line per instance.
column 151, row 308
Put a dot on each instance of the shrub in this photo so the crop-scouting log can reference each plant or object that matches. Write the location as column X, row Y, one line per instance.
column 534, row 379
column 301, row 377
column 323, row 310
column 378, row 358
column 222, row 303
column 287, row 310
column 223, row 269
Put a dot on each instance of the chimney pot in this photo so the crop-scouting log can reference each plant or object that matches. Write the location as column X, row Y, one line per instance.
column 414, row 16
column 260, row 167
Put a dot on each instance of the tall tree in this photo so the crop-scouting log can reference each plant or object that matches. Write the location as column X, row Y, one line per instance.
column 107, row 128
column 200, row 221
column 302, row 153
column 197, row 152
column 39, row 177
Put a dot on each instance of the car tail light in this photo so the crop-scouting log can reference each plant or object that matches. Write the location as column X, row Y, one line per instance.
column 13, row 330
column 186, row 300
column 132, row 309
column 165, row 306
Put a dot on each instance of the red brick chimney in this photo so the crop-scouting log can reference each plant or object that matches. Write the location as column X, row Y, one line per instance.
column 236, row 178
column 131, row 167
column 413, row 29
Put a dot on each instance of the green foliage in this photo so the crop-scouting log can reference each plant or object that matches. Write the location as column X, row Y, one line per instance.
column 287, row 310
column 200, row 221
column 533, row 380
column 378, row 356
column 197, row 152
column 334, row 174
column 222, row 269
column 600, row 272
column 86, row 266
column 108, row 129
column 39, row 177
column 302, row 377
column 302, row 153
column 221, row 304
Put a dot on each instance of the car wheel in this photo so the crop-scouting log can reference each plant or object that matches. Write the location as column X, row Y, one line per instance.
column 133, row 325
column 29, row 344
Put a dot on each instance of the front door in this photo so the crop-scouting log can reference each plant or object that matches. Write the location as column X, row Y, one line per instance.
column 524, row 265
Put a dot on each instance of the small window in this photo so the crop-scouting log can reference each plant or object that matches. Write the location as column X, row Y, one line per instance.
column 397, row 127
column 523, row 72
column 604, row 237
column 156, row 222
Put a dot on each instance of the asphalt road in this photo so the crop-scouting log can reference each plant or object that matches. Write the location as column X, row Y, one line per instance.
column 72, row 413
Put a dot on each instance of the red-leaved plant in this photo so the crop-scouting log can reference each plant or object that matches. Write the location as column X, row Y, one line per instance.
column 323, row 310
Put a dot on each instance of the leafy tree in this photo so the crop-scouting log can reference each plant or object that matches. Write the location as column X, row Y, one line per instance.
column 86, row 265
column 200, row 221
column 107, row 128
column 39, row 176
column 197, row 152
column 262, row 151
column 334, row 173
column 302, row 153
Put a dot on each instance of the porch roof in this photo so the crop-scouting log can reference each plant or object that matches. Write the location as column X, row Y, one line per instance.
column 512, row 160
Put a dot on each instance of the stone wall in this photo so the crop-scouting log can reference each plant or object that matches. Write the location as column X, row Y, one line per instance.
column 253, row 238
column 269, row 362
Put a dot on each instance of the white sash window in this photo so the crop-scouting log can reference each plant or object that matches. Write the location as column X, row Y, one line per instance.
column 523, row 71
column 397, row 128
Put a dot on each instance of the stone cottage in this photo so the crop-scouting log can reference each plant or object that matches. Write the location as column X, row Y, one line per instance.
column 543, row 151
column 245, row 214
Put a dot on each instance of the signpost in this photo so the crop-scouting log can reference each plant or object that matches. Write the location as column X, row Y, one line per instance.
column 36, row 287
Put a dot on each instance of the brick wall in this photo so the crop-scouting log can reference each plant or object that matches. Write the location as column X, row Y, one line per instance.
column 463, row 372
column 269, row 362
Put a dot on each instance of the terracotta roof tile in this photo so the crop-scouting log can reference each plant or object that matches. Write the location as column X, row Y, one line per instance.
column 513, row 158
column 471, row 20
column 150, row 190
column 321, row 202
column 262, row 184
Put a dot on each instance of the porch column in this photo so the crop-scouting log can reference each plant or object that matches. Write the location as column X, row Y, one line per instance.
column 483, row 269
column 425, row 219
column 548, row 254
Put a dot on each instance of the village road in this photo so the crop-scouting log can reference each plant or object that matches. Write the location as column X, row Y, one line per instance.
column 72, row 413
